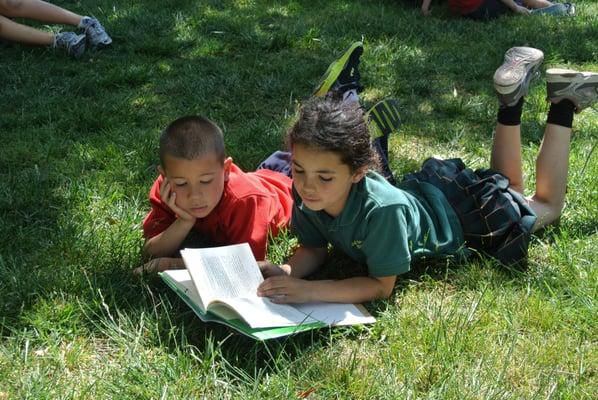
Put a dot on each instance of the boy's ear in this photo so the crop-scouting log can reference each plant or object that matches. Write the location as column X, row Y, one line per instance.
column 161, row 171
column 228, row 161
column 359, row 174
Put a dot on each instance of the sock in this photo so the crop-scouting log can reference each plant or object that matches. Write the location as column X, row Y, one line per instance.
column 83, row 21
column 561, row 113
column 510, row 116
column 350, row 96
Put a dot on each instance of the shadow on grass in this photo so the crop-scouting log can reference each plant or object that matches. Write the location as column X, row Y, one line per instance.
column 78, row 131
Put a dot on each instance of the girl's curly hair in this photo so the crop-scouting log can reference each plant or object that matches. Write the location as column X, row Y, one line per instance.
column 329, row 124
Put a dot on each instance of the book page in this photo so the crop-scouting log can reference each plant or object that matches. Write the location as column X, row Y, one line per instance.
column 260, row 312
column 223, row 272
column 336, row 313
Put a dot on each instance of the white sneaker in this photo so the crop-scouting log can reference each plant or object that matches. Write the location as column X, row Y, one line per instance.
column 581, row 88
column 512, row 78
column 74, row 44
column 95, row 32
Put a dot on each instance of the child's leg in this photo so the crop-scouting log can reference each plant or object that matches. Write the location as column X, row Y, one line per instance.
column 511, row 81
column 552, row 166
column 506, row 146
column 38, row 10
column 279, row 161
column 537, row 3
column 15, row 32
column 568, row 91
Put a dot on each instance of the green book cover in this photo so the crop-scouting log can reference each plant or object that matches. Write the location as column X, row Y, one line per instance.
column 220, row 283
column 186, row 293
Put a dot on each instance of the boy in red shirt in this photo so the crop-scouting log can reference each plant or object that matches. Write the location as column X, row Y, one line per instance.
column 202, row 198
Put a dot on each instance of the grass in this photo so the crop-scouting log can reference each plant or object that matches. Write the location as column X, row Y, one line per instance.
column 79, row 155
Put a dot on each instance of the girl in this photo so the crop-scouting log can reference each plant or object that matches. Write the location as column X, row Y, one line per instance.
column 442, row 210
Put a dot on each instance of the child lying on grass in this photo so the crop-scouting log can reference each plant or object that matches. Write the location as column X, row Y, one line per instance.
column 445, row 209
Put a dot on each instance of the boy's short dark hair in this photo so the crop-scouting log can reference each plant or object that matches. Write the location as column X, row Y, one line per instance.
column 191, row 137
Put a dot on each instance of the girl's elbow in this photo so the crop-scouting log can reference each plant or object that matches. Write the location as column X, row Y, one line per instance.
column 385, row 293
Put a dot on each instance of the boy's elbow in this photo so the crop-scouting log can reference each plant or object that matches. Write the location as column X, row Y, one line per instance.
column 149, row 249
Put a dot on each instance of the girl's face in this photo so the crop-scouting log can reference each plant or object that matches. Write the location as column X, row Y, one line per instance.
column 321, row 179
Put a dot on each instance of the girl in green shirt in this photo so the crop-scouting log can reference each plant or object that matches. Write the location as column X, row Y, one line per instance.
column 432, row 212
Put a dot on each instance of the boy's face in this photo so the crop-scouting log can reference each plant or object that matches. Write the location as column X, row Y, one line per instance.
column 322, row 180
column 198, row 183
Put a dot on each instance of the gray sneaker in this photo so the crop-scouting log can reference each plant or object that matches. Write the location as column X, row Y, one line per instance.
column 579, row 87
column 74, row 44
column 95, row 32
column 512, row 78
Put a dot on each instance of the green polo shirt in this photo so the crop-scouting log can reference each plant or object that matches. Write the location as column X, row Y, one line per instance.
column 383, row 226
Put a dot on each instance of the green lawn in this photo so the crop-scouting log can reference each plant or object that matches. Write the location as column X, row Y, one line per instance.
column 79, row 154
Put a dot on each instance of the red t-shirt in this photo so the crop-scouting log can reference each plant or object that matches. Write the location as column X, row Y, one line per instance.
column 464, row 6
column 252, row 205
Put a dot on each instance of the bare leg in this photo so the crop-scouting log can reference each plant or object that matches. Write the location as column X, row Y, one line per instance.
column 38, row 10
column 506, row 154
column 552, row 166
column 537, row 3
column 14, row 32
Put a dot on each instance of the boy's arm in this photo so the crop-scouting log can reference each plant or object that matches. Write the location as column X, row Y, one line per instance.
column 167, row 243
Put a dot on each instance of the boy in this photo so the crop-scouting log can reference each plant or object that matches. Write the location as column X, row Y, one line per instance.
column 202, row 198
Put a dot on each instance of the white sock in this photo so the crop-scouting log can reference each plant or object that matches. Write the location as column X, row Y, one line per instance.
column 351, row 96
column 80, row 26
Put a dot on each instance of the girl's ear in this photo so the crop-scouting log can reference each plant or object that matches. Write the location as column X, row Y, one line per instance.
column 228, row 162
column 161, row 171
column 359, row 174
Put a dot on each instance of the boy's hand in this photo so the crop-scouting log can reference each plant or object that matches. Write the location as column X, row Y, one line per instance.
column 158, row 265
column 284, row 289
column 268, row 269
column 168, row 196
column 522, row 10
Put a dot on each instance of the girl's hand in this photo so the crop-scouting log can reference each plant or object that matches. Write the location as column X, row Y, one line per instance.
column 284, row 289
column 268, row 269
column 168, row 196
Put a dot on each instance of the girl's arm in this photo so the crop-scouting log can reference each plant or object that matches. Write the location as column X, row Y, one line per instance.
column 286, row 289
column 283, row 283
column 303, row 262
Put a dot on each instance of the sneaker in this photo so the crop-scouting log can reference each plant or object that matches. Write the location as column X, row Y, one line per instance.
column 74, row 44
column 383, row 119
column 556, row 9
column 581, row 88
column 95, row 32
column 512, row 78
column 342, row 74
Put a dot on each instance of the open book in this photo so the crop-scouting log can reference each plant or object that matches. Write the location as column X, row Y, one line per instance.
column 220, row 285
